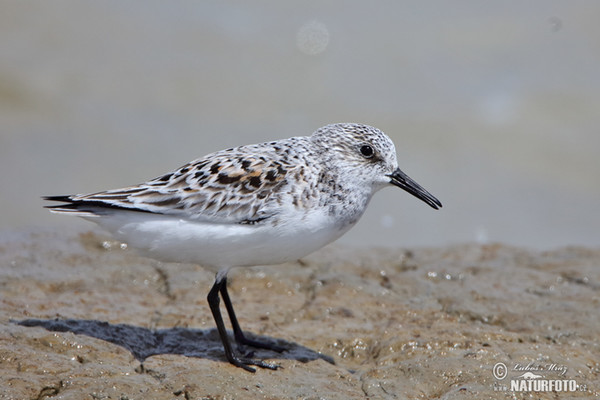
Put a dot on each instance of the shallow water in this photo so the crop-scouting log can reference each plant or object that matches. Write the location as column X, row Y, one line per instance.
column 493, row 107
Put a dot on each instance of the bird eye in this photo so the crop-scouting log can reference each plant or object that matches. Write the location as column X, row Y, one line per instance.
column 367, row 151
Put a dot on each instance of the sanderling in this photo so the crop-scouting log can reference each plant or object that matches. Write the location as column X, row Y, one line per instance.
column 251, row 205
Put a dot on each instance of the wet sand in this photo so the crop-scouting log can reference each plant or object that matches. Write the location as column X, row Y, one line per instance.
column 83, row 317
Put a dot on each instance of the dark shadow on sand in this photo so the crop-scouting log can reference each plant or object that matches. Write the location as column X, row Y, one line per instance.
column 144, row 342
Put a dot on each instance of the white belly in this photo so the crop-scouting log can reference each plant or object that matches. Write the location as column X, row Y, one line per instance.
column 221, row 245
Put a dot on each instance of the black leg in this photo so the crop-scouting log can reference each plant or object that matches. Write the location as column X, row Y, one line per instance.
column 240, row 338
column 213, row 302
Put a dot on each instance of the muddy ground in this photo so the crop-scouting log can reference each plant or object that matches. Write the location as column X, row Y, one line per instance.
column 83, row 317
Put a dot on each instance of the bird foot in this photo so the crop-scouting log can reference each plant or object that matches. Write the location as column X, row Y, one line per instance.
column 245, row 363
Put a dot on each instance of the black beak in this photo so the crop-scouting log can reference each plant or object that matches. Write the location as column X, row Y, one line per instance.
column 400, row 179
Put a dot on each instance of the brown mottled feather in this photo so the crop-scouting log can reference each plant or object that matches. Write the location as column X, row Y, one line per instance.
column 230, row 186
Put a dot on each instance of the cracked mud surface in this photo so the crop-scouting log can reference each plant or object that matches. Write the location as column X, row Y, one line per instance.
column 83, row 318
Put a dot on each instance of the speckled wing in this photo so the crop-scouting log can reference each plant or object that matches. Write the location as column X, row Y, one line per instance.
column 243, row 185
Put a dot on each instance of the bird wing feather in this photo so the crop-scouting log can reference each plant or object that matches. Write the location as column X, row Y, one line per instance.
column 232, row 186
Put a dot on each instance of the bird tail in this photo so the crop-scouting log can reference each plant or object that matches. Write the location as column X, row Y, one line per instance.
column 74, row 206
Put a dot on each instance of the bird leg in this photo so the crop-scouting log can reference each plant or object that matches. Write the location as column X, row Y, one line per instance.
column 213, row 302
column 240, row 338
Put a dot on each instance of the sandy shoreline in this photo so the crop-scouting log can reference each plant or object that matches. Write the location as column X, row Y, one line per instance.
column 82, row 317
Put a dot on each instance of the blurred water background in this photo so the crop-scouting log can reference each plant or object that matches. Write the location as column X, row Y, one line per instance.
column 494, row 106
